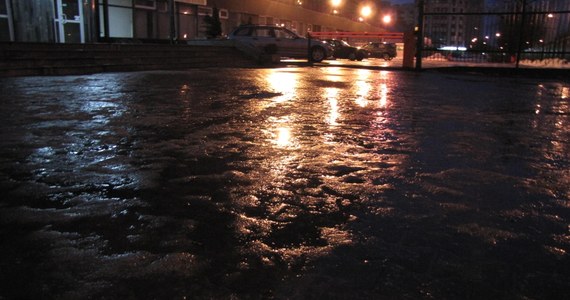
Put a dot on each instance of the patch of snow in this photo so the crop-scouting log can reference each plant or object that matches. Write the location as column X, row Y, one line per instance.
column 557, row 63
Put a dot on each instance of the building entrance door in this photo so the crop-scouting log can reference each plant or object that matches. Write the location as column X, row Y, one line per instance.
column 69, row 21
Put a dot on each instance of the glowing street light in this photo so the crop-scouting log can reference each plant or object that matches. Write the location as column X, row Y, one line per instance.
column 366, row 11
column 387, row 19
column 335, row 4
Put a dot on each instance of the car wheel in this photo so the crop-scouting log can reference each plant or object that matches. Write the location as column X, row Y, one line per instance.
column 317, row 54
column 386, row 56
column 352, row 56
column 359, row 56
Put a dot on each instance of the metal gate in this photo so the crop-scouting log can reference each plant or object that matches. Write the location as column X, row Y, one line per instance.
column 363, row 38
column 510, row 33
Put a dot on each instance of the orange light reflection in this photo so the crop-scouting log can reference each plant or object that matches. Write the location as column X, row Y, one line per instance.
column 283, row 82
column 383, row 95
column 332, row 97
column 283, row 138
column 363, row 88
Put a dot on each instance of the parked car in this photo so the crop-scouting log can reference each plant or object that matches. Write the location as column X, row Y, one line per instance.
column 384, row 50
column 282, row 41
column 341, row 49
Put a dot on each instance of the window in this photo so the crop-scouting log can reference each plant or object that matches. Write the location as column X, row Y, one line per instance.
column 204, row 11
column 5, row 22
column 224, row 14
column 150, row 4
column 125, row 3
column 196, row 2
column 120, row 19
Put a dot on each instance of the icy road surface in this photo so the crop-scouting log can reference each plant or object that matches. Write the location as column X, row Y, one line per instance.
column 291, row 183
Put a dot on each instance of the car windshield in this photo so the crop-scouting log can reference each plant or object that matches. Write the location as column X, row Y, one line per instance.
column 344, row 43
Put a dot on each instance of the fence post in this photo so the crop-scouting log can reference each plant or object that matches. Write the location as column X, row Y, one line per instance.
column 420, row 40
column 409, row 49
column 172, row 24
column 309, row 60
column 521, row 35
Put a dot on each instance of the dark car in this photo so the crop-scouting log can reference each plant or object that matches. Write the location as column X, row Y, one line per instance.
column 384, row 50
column 342, row 49
column 281, row 41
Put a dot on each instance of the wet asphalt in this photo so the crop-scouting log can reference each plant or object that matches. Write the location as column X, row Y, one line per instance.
column 284, row 183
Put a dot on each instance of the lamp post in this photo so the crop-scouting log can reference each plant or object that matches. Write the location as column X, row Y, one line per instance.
column 365, row 11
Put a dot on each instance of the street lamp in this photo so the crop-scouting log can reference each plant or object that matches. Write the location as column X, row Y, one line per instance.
column 335, row 4
column 365, row 11
column 387, row 19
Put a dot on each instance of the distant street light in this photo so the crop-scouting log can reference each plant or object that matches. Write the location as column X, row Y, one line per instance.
column 335, row 4
column 366, row 11
column 387, row 19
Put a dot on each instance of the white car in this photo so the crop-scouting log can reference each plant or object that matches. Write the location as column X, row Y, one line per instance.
column 279, row 40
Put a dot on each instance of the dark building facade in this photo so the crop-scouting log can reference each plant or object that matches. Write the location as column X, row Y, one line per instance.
column 452, row 27
column 89, row 21
column 545, row 27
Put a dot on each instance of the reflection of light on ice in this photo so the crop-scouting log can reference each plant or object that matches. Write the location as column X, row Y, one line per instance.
column 283, row 82
column 363, row 87
column 363, row 90
column 333, row 73
column 383, row 95
column 332, row 95
column 283, row 138
column 281, row 133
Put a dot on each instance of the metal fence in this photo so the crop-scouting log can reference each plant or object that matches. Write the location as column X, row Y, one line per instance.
column 510, row 33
